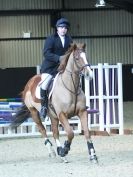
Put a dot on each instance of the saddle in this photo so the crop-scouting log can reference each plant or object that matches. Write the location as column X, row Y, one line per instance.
column 50, row 89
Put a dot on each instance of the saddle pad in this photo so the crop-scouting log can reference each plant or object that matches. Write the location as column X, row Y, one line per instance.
column 37, row 91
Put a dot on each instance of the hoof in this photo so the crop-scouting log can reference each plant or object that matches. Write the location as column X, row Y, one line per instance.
column 52, row 154
column 50, row 148
column 64, row 159
column 94, row 159
column 66, row 148
column 82, row 132
column 60, row 151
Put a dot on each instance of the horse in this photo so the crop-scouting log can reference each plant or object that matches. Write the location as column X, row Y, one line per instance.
column 67, row 100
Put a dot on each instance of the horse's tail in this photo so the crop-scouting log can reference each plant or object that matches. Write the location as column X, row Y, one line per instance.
column 21, row 115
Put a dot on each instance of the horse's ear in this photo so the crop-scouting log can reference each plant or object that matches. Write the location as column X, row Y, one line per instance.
column 83, row 45
column 74, row 46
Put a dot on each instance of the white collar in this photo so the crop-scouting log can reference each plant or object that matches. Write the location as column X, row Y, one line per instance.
column 62, row 39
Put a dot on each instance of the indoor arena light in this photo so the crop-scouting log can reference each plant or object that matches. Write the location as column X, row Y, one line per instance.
column 100, row 3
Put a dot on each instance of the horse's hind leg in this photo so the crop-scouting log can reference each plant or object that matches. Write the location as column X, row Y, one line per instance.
column 37, row 120
column 42, row 130
column 84, row 123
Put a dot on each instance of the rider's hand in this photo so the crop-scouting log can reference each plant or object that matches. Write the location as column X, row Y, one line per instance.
column 63, row 57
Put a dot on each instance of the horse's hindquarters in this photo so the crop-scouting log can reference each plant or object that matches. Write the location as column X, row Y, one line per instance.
column 30, row 103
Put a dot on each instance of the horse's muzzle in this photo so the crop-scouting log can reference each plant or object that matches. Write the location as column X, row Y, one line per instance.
column 87, row 71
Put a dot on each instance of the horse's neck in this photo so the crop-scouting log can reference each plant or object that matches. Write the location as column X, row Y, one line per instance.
column 70, row 74
column 71, row 67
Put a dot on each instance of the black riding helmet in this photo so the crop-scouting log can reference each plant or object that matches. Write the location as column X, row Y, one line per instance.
column 63, row 22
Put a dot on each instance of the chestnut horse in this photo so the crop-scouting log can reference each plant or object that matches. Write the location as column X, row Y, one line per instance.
column 67, row 100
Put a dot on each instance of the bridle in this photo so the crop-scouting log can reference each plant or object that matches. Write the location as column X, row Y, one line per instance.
column 76, row 57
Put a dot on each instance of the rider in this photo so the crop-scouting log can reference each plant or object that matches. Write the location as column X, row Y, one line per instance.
column 55, row 47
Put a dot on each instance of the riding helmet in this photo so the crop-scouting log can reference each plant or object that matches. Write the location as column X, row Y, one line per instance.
column 63, row 22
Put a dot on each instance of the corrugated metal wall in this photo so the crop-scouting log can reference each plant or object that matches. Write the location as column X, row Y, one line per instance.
column 111, row 50
column 100, row 23
column 91, row 24
column 46, row 4
column 21, row 53
column 111, row 22
column 15, row 26
column 29, row 4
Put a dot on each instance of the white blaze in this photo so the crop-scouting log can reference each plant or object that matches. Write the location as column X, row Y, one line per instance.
column 83, row 55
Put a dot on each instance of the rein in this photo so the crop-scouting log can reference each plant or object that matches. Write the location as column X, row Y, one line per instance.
column 79, row 72
column 76, row 91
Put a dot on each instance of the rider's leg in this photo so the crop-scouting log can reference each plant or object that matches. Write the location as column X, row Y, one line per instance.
column 45, row 79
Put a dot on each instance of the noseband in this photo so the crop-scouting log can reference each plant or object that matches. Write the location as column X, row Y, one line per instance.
column 77, row 57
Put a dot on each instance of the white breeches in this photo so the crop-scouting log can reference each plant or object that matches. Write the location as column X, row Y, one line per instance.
column 45, row 79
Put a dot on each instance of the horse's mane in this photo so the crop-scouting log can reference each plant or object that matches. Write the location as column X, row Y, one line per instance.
column 64, row 61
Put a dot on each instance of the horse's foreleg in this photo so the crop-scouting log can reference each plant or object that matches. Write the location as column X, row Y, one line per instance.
column 84, row 123
column 83, row 115
column 65, row 123
column 54, row 125
column 42, row 130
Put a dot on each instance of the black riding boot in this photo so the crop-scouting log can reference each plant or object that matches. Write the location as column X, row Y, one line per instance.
column 44, row 103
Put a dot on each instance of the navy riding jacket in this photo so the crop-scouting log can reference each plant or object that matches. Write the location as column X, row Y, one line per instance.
column 52, row 51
